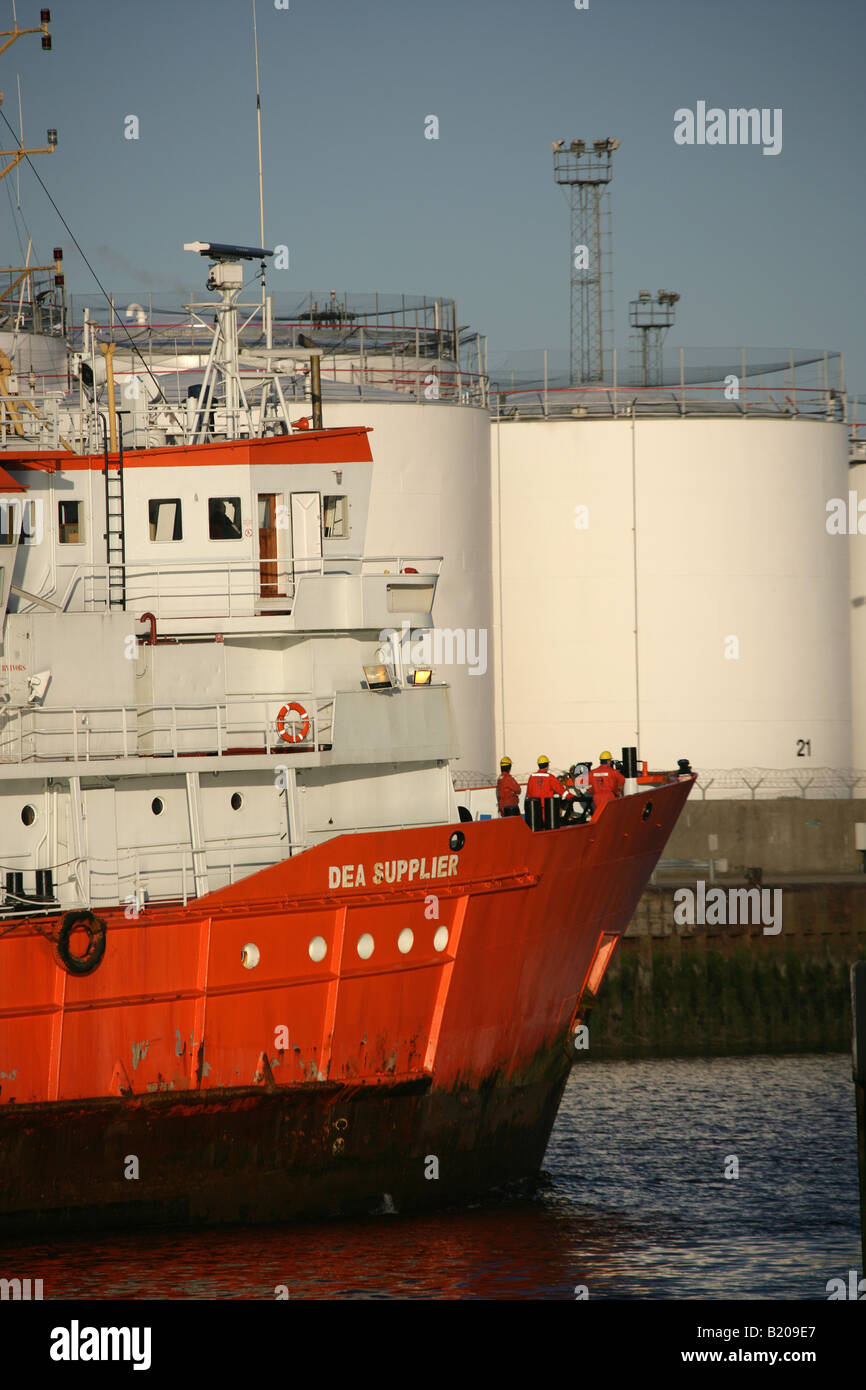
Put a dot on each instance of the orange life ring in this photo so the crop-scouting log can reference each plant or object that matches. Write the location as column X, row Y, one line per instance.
column 303, row 729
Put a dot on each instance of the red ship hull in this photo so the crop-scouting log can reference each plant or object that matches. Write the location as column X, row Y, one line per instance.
column 403, row 1038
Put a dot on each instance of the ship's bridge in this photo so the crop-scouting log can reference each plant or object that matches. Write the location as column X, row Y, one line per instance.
column 231, row 531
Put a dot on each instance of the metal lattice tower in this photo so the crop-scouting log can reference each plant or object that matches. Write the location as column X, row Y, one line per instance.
column 652, row 318
column 584, row 174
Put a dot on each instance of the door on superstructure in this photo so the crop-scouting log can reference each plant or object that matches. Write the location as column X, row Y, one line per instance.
column 306, row 532
column 100, row 838
column 269, row 585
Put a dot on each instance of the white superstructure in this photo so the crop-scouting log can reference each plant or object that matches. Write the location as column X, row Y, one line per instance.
column 194, row 681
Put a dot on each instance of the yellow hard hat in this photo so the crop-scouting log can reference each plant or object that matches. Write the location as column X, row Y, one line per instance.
column 605, row 757
column 505, row 762
column 543, row 760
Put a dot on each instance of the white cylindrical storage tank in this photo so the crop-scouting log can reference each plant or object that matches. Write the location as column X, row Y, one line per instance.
column 672, row 583
column 857, row 558
column 430, row 496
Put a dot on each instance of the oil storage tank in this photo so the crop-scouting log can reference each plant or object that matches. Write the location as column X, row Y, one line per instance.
column 855, row 501
column 672, row 582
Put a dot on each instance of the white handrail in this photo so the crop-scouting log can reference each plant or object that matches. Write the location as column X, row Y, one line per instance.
column 38, row 726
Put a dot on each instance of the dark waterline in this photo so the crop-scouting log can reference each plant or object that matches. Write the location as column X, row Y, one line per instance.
column 634, row 1204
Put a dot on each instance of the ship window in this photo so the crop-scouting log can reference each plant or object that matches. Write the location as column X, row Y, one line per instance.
column 224, row 518
column 165, row 519
column 70, row 522
column 336, row 518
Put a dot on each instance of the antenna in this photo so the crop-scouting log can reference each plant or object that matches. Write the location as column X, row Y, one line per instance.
column 20, row 132
column 259, row 133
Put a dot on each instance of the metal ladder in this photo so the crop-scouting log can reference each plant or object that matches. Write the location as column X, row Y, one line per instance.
column 115, row 534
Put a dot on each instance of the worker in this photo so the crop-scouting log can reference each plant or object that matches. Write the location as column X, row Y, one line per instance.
column 606, row 782
column 507, row 790
column 541, row 788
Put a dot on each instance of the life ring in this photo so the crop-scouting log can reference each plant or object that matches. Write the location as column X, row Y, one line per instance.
column 79, row 920
column 303, row 729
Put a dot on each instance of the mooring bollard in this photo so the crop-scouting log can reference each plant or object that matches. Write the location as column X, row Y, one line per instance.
column 858, row 1057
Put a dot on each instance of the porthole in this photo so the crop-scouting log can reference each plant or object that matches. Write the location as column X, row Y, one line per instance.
column 157, row 805
column 405, row 941
column 237, row 801
column 440, row 940
column 458, row 840
column 647, row 811
column 318, row 948
column 365, row 946
column 250, row 956
column 28, row 814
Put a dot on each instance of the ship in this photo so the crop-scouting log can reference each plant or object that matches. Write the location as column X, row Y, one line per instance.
column 256, row 964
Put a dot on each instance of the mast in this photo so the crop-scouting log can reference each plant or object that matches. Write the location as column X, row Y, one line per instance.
column 259, row 134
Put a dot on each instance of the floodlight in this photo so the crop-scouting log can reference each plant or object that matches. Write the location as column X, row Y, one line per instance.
column 422, row 677
column 377, row 678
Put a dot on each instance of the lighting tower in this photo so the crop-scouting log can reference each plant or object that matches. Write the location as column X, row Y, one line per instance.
column 652, row 318
column 584, row 174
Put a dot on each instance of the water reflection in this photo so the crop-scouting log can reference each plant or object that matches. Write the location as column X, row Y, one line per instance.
column 635, row 1204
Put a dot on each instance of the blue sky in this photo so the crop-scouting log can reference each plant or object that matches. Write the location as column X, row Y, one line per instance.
column 765, row 251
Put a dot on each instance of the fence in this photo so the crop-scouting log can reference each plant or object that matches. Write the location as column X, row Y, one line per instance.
column 745, row 783
column 693, row 381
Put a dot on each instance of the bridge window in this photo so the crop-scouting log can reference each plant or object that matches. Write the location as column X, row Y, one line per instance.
column 166, row 523
column 70, row 522
column 224, row 518
column 336, row 517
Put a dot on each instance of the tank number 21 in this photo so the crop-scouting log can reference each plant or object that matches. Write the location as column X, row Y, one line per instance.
column 804, row 748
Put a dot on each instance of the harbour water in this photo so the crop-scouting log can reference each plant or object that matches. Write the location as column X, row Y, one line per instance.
column 634, row 1204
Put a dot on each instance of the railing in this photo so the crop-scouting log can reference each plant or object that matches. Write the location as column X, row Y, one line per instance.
column 218, row 863
column 615, row 402
column 57, row 734
column 133, row 880
column 223, row 588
